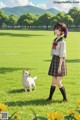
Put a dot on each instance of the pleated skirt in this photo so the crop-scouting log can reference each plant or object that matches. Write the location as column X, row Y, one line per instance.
column 53, row 69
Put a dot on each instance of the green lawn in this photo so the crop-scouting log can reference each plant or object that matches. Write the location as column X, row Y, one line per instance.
column 21, row 49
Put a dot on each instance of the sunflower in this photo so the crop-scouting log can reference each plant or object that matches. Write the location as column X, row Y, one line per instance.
column 3, row 107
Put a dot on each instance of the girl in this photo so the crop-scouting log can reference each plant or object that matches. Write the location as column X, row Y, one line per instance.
column 58, row 67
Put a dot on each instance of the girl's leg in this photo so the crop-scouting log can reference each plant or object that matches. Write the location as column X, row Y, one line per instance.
column 52, row 89
column 59, row 81
column 61, row 87
column 54, row 80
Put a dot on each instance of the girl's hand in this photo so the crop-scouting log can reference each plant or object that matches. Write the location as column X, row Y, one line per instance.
column 59, row 70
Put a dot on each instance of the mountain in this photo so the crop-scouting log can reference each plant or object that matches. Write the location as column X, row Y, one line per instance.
column 53, row 11
column 19, row 10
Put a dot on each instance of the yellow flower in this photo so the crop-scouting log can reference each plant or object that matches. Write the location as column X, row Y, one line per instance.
column 69, row 112
column 16, row 116
column 78, row 102
column 55, row 116
column 3, row 107
column 51, row 116
column 77, row 116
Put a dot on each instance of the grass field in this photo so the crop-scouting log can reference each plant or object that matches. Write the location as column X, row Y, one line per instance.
column 20, row 49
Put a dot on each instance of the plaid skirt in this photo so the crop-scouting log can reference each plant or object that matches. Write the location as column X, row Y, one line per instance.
column 53, row 70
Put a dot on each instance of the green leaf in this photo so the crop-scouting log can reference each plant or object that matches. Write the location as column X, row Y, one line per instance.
column 66, row 117
column 40, row 118
column 11, row 116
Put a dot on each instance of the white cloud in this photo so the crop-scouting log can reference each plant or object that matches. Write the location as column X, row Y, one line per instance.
column 13, row 3
column 62, row 6
column 22, row 2
column 2, row 5
column 48, row 4
column 41, row 6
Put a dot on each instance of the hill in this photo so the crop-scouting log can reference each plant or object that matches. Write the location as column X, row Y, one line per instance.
column 19, row 10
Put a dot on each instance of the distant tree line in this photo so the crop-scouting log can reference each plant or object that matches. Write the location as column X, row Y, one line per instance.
column 72, row 18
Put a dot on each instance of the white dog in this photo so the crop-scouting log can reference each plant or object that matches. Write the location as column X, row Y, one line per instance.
column 27, row 81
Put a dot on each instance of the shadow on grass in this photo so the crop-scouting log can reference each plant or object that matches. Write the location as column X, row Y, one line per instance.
column 68, row 60
column 16, row 91
column 4, row 70
column 18, row 35
column 38, row 102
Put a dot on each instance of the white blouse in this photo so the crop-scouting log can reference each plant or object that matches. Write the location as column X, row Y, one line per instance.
column 60, row 49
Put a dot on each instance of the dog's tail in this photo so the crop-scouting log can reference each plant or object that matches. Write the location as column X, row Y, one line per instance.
column 35, row 78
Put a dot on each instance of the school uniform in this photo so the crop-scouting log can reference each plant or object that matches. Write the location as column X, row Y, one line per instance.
column 58, row 51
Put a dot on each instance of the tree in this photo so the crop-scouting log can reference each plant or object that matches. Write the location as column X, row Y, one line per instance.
column 27, row 22
column 36, row 23
column 63, row 17
column 3, row 18
column 54, row 20
column 75, row 14
column 68, row 19
column 45, row 19
column 13, row 20
column 60, row 16
column 27, row 19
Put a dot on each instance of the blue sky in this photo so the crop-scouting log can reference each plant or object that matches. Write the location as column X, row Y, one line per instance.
column 38, row 1
column 45, row 4
column 34, row 1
